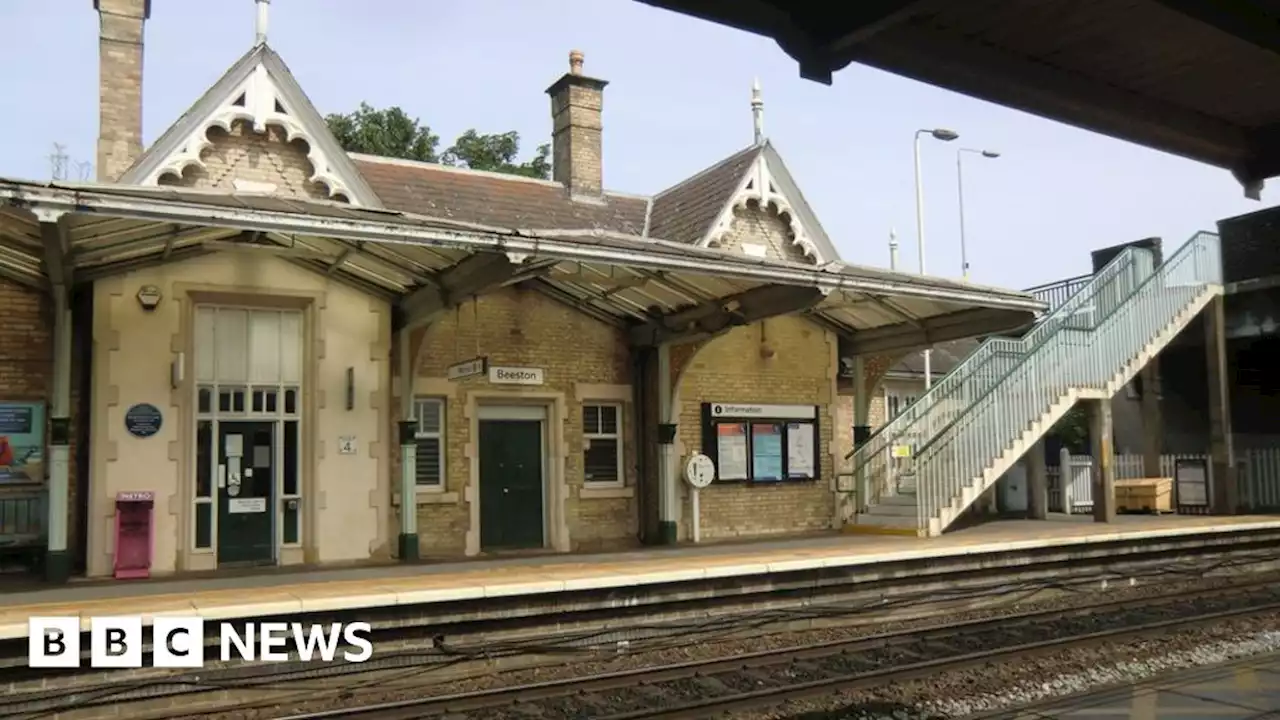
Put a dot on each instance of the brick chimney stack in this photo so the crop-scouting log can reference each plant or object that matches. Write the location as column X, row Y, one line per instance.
column 119, row 84
column 577, row 102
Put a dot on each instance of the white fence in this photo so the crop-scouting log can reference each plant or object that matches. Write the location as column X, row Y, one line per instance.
column 1258, row 479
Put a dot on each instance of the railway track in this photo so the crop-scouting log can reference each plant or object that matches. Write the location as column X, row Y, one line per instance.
column 703, row 689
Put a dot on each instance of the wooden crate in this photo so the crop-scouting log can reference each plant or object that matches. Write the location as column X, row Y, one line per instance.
column 1145, row 495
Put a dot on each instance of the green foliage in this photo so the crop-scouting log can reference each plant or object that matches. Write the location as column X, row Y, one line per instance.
column 390, row 132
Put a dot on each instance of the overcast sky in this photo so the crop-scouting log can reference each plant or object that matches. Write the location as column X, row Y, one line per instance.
column 678, row 100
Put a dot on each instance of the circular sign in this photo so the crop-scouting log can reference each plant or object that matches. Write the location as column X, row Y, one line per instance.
column 699, row 471
column 143, row 420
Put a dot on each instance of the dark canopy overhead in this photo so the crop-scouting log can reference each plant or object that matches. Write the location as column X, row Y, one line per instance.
column 1197, row 78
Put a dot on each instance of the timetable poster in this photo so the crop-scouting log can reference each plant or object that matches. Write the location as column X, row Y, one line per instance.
column 731, row 451
column 766, row 452
column 800, row 450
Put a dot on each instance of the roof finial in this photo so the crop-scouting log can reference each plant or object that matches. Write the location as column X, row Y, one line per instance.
column 575, row 62
column 260, row 26
column 893, row 249
column 757, row 110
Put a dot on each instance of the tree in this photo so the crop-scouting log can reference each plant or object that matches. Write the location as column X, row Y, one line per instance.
column 390, row 132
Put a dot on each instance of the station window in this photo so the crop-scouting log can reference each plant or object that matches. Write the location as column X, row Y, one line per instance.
column 429, row 439
column 898, row 403
column 602, row 444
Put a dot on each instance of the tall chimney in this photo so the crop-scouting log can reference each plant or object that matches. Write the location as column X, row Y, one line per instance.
column 577, row 102
column 119, row 84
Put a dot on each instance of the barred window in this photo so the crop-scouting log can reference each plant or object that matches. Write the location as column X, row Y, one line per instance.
column 602, row 444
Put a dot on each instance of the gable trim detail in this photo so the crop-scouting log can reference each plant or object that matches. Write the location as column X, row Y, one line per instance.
column 759, row 185
column 261, row 92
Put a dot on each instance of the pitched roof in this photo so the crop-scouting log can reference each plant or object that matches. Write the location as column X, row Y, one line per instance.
column 944, row 358
column 488, row 198
column 258, row 88
column 691, row 210
column 685, row 211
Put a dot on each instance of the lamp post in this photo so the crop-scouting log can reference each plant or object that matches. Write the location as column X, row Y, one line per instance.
column 944, row 135
column 992, row 154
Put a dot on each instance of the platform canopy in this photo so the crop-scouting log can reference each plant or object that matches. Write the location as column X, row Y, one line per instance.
column 1196, row 78
column 66, row 234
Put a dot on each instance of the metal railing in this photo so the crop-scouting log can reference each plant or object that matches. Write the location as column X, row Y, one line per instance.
column 1055, row 294
column 1082, row 346
column 878, row 473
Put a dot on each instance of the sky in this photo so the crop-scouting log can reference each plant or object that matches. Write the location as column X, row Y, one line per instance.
column 678, row 101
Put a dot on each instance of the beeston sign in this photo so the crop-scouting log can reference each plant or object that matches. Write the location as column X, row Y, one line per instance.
column 515, row 376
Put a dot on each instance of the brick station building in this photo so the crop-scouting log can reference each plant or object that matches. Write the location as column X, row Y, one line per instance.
column 281, row 340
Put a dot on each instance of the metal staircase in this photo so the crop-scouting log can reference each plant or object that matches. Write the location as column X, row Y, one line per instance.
column 921, row 470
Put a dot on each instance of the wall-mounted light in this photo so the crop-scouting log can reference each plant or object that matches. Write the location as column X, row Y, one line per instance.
column 176, row 370
column 351, row 388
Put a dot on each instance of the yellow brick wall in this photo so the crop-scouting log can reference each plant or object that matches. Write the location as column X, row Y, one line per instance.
column 731, row 368
column 527, row 329
column 754, row 226
column 243, row 154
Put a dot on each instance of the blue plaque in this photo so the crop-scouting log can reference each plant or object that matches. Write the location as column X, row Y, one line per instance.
column 143, row 420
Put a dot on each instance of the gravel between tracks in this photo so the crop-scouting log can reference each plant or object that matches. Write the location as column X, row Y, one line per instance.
column 960, row 694
column 419, row 687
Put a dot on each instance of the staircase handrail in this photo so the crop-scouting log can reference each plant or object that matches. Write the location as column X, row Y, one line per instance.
column 953, row 381
column 1166, row 269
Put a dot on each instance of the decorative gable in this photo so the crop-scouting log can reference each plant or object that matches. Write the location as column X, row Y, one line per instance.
column 767, row 188
column 259, row 102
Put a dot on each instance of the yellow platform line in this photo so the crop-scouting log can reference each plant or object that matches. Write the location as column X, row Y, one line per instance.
column 855, row 529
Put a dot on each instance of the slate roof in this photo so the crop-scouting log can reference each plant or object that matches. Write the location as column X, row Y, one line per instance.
column 492, row 199
column 685, row 212
column 943, row 359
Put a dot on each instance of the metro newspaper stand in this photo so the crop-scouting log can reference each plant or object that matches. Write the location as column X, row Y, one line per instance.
column 134, row 530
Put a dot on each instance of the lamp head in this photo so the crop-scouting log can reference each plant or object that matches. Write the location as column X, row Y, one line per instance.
column 944, row 134
column 990, row 154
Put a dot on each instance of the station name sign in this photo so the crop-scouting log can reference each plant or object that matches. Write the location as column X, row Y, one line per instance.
column 515, row 376
column 780, row 412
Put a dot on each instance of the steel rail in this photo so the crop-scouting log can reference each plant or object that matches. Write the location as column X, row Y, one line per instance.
column 463, row 703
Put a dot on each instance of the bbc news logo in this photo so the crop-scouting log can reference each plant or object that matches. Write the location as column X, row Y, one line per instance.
column 179, row 642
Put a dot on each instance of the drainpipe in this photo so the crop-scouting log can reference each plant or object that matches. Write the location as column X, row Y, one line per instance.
column 639, row 403
column 408, row 544
column 668, row 499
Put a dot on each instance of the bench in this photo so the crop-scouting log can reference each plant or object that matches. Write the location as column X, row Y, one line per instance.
column 23, row 516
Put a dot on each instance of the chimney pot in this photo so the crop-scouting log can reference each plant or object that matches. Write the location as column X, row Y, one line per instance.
column 577, row 103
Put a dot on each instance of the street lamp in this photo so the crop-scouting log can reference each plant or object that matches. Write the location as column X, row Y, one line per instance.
column 992, row 154
column 944, row 135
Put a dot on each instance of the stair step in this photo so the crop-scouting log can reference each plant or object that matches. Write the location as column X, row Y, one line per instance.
column 893, row 509
column 908, row 499
column 886, row 521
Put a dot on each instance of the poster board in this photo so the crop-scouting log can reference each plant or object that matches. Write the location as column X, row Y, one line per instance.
column 22, row 436
column 762, row 443
column 1191, row 482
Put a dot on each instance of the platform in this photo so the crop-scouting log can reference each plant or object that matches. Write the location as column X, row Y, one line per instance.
column 275, row 594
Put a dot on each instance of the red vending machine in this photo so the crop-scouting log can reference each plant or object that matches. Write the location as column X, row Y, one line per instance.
column 134, row 510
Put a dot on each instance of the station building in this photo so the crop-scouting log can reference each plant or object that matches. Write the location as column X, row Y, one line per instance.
column 306, row 356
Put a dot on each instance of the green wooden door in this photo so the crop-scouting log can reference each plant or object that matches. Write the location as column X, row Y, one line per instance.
column 511, row 509
column 246, row 489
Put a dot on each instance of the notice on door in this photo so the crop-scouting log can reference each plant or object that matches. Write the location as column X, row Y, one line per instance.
column 247, row 505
